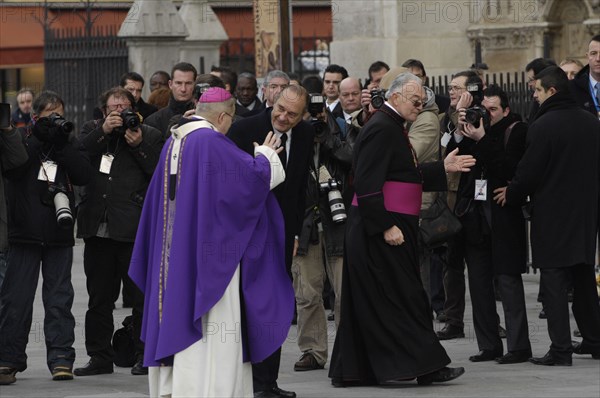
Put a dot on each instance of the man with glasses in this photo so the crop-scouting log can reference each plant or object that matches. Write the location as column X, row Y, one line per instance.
column 387, row 335
column 273, row 84
column 285, row 120
column 124, row 159
column 454, row 269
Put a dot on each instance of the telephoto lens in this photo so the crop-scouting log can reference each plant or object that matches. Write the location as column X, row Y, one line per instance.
column 64, row 217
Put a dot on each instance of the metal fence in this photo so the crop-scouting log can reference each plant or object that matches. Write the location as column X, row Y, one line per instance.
column 514, row 84
column 238, row 54
column 80, row 64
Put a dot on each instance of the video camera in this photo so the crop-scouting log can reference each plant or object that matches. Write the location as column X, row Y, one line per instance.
column 199, row 89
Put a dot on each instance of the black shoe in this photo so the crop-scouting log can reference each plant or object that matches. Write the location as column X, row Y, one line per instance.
column 514, row 357
column 62, row 372
column 501, row 332
column 542, row 314
column 485, row 355
column 450, row 332
column 440, row 376
column 580, row 350
column 307, row 362
column 274, row 392
column 331, row 316
column 7, row 375
column 138, row 368
column 441, row 317
column 550, row 360
column 94, row 367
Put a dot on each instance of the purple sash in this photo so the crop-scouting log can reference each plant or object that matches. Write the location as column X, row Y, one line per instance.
column 400, row 197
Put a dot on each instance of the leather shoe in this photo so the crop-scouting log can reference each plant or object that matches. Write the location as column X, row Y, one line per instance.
column 485, row 355
column 440, row 376
column 580, row 350
column 550, row 360
column 94, row 367
column 307, row 362
column 514, row 357
column 542, row 314
column 139, row 369
column 7, row 375
column 274, row 392
column 450, row 332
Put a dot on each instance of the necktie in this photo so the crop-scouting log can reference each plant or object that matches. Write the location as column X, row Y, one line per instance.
column 597, row 86
column 341, row 122
column 283, row 154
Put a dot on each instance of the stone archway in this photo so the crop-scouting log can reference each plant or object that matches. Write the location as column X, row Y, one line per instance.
column 570, row 34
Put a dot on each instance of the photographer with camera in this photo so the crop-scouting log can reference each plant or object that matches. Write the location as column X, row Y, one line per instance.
column 323, row 228
column 495, row 239
column 41, row 206
column 123, row 153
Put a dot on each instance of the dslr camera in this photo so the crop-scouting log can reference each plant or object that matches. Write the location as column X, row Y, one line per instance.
column 131, row 121
column 316, row 104
column 63, row 126
column 377, row 97
column 332, row 187
column 56, row 196
column 477, row 112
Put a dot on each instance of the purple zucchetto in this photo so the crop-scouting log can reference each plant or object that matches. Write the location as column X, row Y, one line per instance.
column 215, row 94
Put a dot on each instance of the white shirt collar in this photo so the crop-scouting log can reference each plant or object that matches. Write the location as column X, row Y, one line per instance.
column 333, row 105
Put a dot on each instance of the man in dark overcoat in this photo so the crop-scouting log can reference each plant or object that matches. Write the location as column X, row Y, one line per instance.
column 564, row 212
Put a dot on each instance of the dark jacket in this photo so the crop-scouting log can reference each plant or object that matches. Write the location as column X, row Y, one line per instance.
column 29, row 220
column 335, row 153
column 290, row 194
column 20, row 119
column 145, row 109
column 12, row 154
column 496, row 163
column 559, row 171
column 241, row 110
column 116, row 198
column 160, row 119
column 580, row 89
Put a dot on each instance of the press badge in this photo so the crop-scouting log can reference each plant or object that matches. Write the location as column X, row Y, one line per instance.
column 480, row 189
column 106, row 163
column 445, row 139
column 47, row 171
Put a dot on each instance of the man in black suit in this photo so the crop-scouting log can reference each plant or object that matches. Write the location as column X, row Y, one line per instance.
column 285, row 120
column 586, row 85
column 333, row 76
column 564, row 215
column 245, row 94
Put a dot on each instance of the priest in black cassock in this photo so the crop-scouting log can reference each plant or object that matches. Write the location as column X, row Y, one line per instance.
column 386, row 333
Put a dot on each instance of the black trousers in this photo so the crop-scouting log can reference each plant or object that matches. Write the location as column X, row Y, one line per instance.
column 104, row 261
column 485, row 318
column 586, row 310
column 454, row 282
column 265, row 373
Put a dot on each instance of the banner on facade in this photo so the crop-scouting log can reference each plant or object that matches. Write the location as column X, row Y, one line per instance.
column 267, row 36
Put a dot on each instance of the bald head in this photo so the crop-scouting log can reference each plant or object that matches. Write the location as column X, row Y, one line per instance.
column 350, row 94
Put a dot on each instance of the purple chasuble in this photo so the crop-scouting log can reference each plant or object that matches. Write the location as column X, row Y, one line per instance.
column 225, row 215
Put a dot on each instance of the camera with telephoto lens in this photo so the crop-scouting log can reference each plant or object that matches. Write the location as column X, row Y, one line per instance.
column 332, row 187
column 131, row 121
column 377, row 97
column 56, row 196
column 316, row 105
column 477, row 112
column 63, row 125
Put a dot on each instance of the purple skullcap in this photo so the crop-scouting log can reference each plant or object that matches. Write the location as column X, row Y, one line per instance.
column 215, row 94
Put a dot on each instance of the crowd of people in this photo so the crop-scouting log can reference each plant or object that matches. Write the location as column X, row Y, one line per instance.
column 223, row 211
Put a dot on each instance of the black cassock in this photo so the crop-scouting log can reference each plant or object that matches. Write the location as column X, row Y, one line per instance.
column 386, row 331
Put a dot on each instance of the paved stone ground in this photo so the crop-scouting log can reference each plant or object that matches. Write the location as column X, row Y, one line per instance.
column 486, row 379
